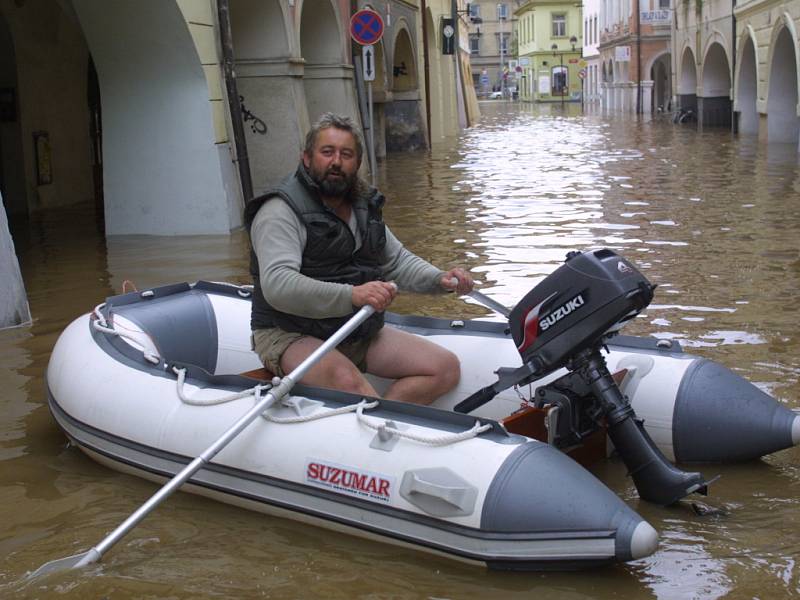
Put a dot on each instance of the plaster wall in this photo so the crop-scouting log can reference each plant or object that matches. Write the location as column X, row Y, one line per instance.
column 162, row 173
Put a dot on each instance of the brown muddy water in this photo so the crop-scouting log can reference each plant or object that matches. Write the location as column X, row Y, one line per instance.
column 712, row 219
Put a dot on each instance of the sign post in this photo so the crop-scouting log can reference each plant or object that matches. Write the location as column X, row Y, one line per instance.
column 366, row 28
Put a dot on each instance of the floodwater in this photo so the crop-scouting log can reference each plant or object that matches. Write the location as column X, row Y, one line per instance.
column 712, row 219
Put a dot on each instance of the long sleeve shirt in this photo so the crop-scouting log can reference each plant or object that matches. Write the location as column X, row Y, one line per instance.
column 279, row 237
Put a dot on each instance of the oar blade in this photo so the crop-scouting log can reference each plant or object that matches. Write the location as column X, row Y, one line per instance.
column 63, row 564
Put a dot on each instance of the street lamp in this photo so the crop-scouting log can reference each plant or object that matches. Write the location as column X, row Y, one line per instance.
column 560, row 88
column 501, row 18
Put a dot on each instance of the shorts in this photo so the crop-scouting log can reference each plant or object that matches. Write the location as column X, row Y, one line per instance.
column 270, row 344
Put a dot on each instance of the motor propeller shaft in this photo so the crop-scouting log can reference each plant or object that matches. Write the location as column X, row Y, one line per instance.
column 656, row 479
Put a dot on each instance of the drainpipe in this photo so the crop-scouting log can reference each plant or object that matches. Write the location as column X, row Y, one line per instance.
column 638, row 60
column 426, row 66
column 239, row 141
column 734, row 119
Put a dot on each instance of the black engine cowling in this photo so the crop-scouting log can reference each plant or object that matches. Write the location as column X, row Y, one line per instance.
column 590, row 296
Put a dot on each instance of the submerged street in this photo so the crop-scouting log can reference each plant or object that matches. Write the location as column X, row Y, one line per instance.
column 711, row 218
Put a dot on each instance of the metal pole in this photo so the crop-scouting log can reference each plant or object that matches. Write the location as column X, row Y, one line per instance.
column 372, row 161
column 563, row 78
column 502, row 79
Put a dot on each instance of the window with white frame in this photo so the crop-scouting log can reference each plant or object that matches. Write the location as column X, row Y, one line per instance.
column 502, row 11
column 474, row 43
column 559, row 25
column 474, row 9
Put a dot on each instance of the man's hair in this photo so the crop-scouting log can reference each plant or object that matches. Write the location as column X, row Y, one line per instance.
column 328, row 120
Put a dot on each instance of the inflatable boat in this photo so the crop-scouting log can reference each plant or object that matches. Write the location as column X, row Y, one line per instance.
column 150, row 378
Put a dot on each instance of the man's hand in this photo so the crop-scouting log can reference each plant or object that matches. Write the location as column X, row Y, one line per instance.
column 378, row 294
column 457, row 280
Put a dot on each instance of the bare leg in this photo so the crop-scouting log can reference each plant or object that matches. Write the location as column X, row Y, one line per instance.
column 423, row 370
column 334, row 370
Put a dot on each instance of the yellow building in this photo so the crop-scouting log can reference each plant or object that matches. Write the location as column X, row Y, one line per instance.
column 549, row 50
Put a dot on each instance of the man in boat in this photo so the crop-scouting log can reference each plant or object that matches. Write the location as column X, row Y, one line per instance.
column 320, row 252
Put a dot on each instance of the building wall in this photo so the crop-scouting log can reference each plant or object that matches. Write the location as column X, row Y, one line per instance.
column 539, row 60
column 767, row 76
column 633, row 35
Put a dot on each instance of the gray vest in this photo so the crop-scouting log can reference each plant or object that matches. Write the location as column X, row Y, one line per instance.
column 329, row 254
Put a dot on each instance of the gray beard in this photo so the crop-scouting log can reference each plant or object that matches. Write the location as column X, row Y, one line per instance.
column 335, row 188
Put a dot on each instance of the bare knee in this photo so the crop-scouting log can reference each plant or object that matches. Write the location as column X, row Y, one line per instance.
column 448, row 372
column 348, row 378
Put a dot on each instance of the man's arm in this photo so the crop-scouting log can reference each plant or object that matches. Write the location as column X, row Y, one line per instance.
column 409, row 270
column 278, row 239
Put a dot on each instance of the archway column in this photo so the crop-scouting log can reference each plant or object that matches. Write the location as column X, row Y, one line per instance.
column 272, row 90
column 647, row 97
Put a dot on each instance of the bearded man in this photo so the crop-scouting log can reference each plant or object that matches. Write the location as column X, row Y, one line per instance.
column 320, row 252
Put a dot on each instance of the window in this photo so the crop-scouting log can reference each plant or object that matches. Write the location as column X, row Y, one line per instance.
column 502, row 11
column 474, row 43
column 559, row 81
column 663, row 4
column 560, row 25
column 474, row 9
column 503, row 42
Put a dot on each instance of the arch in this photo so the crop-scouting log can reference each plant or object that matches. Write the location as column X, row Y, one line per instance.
column 260, row 29
column 404, row 63
column 715, row 37
column 783, row 125
column 716, row 72
column 662, row 82
column 655, row 58
column 687, row 74
column 158, row 129
column 381, row 83
column 264, row 48
column 320, row 43
column 746, row 92
column 327, row 79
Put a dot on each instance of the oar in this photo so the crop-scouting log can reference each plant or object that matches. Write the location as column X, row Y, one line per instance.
column 486, row 301
column 275, row 394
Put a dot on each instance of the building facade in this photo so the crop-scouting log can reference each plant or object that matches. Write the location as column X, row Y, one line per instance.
column 591, row 53
column 550, row 43
column 635, row 54
column 703, row 47
column 491, row 45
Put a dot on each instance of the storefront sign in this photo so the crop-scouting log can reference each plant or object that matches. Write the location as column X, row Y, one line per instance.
column 656, row 17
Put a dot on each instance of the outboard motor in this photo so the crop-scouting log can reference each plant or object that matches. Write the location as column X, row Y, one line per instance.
column 564, row 322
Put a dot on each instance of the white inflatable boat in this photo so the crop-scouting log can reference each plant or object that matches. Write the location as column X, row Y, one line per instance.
column 150, row 379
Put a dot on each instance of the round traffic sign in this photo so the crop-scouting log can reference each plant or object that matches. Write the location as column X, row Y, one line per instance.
column 366, row 27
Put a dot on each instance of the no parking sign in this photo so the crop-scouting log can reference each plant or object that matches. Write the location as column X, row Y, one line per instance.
column 366, row 27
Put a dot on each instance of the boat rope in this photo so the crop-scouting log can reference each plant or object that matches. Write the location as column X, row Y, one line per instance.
column 253, row 391
column 256, row 391
column 321, row 414
column 441, row 440
column 100, row 324
column 437, row 440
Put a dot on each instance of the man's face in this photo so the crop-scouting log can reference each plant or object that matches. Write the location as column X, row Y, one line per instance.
column 333, row 162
